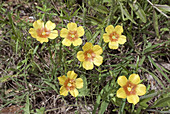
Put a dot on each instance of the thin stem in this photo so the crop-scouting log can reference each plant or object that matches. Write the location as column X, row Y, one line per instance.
column 158, row 9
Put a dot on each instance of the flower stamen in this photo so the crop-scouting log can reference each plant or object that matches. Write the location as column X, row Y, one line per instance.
column 114, row 37
column 129, row 89
column 72, row 35
column 69, row 84
column 44, row 33
column 89, row 55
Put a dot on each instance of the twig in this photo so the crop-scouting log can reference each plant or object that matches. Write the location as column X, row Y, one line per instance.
column 158, row 9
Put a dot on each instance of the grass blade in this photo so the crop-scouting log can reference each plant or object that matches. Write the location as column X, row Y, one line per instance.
column 151, row 60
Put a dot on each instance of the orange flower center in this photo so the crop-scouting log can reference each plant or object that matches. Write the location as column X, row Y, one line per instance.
column 72, row 35
column 43, row 32
column 113, row 37
column 89, row 55
column 70, row 84
column 130, row 88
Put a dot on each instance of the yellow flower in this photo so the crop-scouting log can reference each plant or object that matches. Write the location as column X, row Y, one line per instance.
column 41, row 32
column 113, row 36
column 131, row 88
column 72, row 34
column 70, row 83
column 89, row 55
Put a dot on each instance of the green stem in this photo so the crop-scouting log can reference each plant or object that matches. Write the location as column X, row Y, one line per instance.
column 123, row 106
column 110, row 13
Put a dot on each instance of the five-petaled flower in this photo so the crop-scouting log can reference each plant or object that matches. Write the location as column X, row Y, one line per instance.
column 70, row 83
column 72, row 34
column 113, row 36
column 41, row 32
column 131, row 88
column 89, row 55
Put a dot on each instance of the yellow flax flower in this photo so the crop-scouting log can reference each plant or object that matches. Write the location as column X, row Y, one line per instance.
column 89, row 55
column 131, row 88
column 72, row 34
column 70, row 83
column 113, row 36
column 41, row 32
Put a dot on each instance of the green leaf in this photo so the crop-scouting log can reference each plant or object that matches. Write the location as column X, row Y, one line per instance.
column 138, row 10
column 107, row 1
column 27, row 107
column 84, row 91
column 165, row 8
column 143, row 103
column 51, row 85
column 88, row 35
column 97, row 101
column 94, row 20
column 155, row 23
column 155, row 77
column 100, row 8
column 5, row 78
column 75, row 13
column 150, row 47
column 105, row 93
column 35, row 50
column 131, row 41
column 126, row 13
column 163, row 102
column 92, row 40
column 142, row 60
column 65, row 15
column 151, row 60
column 103, row 107
column 36, row 65
column 40, row 8
column 40, row 111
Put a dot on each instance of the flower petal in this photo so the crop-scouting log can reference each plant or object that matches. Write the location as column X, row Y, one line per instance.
column 72, row 26
column 74, row 92
column 134, row 78
column 38, row 24
column 119, row 29
column 53, row 34
column 79, row 83
column 80, row 56
column 97, row 49
column 98, row 60
column 122, row 39
column 49, row 25
column 62, row 79
column 33, row 32
column 87, row 46
column 88, row 65
column 121, row 93
column 133, row 99
column 77, row 42
column 63, row 32
column 109, row 29
column 63, row 91
column 141, row 89
column 41, row 40
column 106, row 38
column 80, row 31
column 66, row 42
column 113, row 45
column 122, row 80
column 71, row 75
